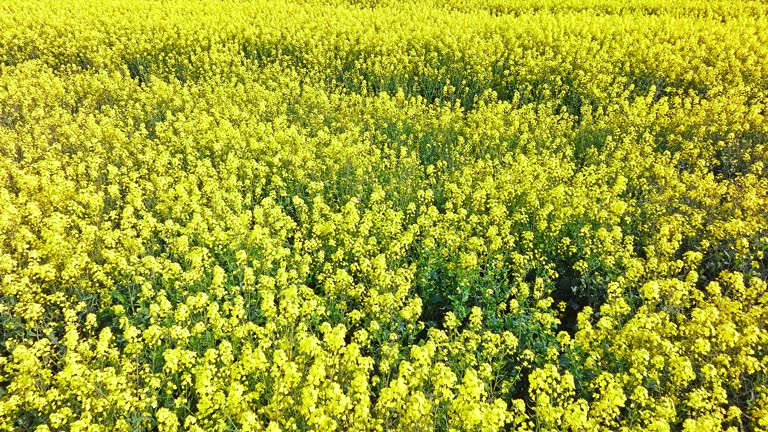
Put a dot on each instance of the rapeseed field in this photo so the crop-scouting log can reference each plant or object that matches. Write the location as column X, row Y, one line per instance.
column 374, row 215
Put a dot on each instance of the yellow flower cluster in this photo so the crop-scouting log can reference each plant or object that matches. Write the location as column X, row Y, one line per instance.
column 452, row 215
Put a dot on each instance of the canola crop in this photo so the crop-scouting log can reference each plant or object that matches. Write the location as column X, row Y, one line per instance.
column 448, row 215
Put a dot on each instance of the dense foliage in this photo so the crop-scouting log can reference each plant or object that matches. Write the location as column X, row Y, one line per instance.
column 412, row 215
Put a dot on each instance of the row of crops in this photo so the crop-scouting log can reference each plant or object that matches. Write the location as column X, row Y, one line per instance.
column 448, row 215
